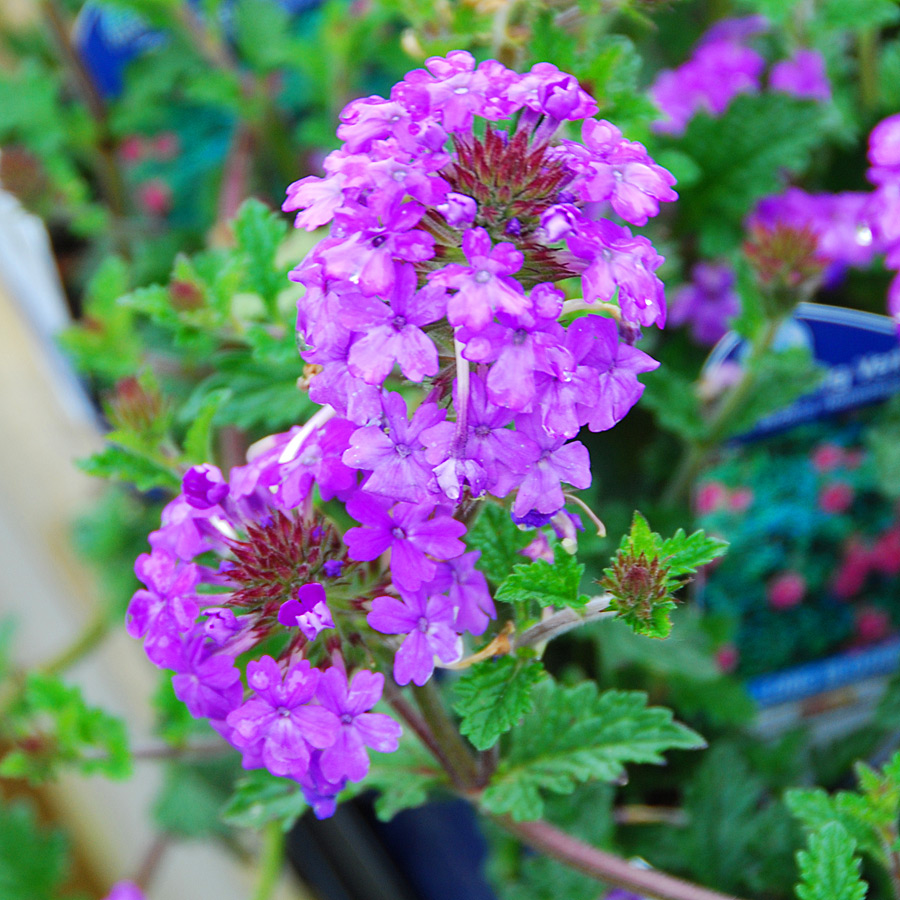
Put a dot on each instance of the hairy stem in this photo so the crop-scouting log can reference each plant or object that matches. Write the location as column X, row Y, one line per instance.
column 270, row 861
column 867, row 57
column 729, row 409
column 94, row 632
column 603, row 866
column 419, row 726
column 462, row 767
column 112, row 183
column 152, row 860
column 564, row 620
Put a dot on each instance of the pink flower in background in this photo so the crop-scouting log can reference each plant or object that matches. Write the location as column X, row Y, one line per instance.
column 125, row 890
column 711, row 495
column 727, row 658
column 786, row 590
column 803, row 75
column 740, row 500
column 827, row 457
column 885, row 555
column 155, row 197
column 854, row 569
column 872, row 624
column 836, row 498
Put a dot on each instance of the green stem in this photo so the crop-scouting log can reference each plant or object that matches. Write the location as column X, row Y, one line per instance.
column 605, row 867
column 270, row 861
column 109, row 174
column 462, row 768
column 697, row 452
column 94, row 632
column 867, row 54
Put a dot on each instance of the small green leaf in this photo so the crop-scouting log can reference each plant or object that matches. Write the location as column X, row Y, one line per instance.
column 259, row 233
column 121, row 464
column 674, row 402
column 829, row 868
column 574, row 735
column 551, row 584
column 198, row 439
column 260, row 797
column 493, row 695
column 52, row 727
column 33, row 862
column 499, row 540
column 686, row 553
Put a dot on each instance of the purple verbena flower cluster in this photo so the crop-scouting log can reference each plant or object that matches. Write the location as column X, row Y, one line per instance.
column 707, row 303
column 724, row 66
column 448, row 235
column 851, row 227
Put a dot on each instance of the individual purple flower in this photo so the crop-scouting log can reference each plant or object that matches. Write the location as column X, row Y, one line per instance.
column 621, row 172
column 617, row 366
column 318, row 199
column 488, row 455
column 317, row 461
column 427, row 622
column 550, row 92
column 381, row 235
column 621, row 266
column 559, row 462
column 308, row 611
column 719, row 70
column 803, row 75
column 207, row 683
column 884, row 145
column 468, row 591
column 170, row 593
column 351, row 701
column 708, row 303
column 125, row 890
column 458, row 209
column 454, row 87
column 408, row 532
column 392, row 450
column 278, row 725
column 203, row 486
column 486, row 284
column 519, row 348
column 392, row 330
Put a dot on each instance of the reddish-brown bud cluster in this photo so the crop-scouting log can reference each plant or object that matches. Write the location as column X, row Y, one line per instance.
column 511, row 179
column 276, row 558
column 136, row 407
column 638, row 584
column 785, row 258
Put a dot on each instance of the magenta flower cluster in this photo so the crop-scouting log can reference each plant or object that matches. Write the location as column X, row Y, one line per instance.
column 451, row 369
column 723, row 66
column 851, row 227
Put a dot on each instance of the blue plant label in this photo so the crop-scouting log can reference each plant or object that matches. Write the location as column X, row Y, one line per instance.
column 858, row 350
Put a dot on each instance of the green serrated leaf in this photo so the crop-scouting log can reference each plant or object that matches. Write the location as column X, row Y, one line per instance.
column 499, row 540
column 52, row 727
column 259, row 232
column 551, row 584
column 121, row 464
column 575, row 735
column 198, row 439
column 33, row 861
column 260, row 797
column 686, row 553
column 493, row 695
column 815, row 809
column 743, row 155
column 674, row 402
column 829, row 868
